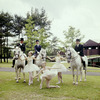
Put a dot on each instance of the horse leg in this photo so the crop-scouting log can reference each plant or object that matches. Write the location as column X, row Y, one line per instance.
column 19, row 73
column 80, row 74
column 24, row 77
column 16, row 73
column 77, row 77
column 37, row 77
column 73, row 76
column 85, row 74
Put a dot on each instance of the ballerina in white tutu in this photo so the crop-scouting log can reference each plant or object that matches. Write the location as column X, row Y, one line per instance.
column 47, row 74
column 30, row 67
column 61, row 67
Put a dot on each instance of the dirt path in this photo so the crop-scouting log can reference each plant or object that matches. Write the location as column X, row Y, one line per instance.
column 68, row 72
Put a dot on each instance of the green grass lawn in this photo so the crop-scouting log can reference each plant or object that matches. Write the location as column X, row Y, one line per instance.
column 10, row 90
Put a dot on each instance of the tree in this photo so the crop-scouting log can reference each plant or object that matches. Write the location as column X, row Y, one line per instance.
column 18, row 24
column 37, row 27
column 40, row 19
column 31, row 34
column 53, row 43
column 71, row 35
column 6, row 28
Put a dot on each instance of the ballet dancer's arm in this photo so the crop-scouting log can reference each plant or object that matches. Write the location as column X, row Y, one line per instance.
column 51, row 59
column 62, row 58
column 38, row 73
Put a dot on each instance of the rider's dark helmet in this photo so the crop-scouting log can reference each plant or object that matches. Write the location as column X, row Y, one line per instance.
column 77, row 40
column 37, row 40
column 22, row 39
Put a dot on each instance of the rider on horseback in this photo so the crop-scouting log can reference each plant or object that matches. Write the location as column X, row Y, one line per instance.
column 79, row 50
column 37, row 48
column 21, row 46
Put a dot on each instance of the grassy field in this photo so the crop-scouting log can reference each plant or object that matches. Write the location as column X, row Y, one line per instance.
column 10, row 90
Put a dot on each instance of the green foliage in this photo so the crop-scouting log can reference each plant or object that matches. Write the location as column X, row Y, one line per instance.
column 53, row 44
column 40, row 19
column 33, row 34
column 71, row 35
column 6, row 31
column 18, row 24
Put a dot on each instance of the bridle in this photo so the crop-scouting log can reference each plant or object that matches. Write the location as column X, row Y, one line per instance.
column 70, row 56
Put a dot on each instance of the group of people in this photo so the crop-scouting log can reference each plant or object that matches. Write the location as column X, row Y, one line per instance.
column 46, row 72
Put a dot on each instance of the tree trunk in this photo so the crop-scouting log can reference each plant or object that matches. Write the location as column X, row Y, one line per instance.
column 1, row 53
column 7, row 49
column 4, row 52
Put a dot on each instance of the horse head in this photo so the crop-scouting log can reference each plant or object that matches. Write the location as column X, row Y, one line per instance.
column 70, row 53
column 43, row 54
column 17, row 52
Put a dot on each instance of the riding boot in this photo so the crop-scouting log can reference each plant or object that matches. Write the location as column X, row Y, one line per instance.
column 25, row 62
column 33, row 61
column 84, row 66
column 13, row 63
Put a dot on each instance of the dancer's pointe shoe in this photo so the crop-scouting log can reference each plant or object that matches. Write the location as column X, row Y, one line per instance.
column 58, row 82
column 57, row 86
column 29, row 84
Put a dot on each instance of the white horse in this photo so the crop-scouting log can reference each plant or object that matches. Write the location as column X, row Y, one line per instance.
column 75, row 62
column 40, row 58
column 19, row 57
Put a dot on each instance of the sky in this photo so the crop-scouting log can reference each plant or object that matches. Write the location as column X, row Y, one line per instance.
column 81, row 14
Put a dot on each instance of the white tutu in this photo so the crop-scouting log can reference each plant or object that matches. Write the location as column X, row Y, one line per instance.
column 30, row 67
column 49, row 74
column 58, row 66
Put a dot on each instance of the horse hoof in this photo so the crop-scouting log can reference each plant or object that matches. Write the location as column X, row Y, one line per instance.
column 80, row 80
column 76, row 83
column 24, row 82
column 73, row 83
column 19, row 78
column 17, row 81
column 84, row 79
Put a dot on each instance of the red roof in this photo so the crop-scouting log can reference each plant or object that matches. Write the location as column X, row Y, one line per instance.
column 90, row 43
